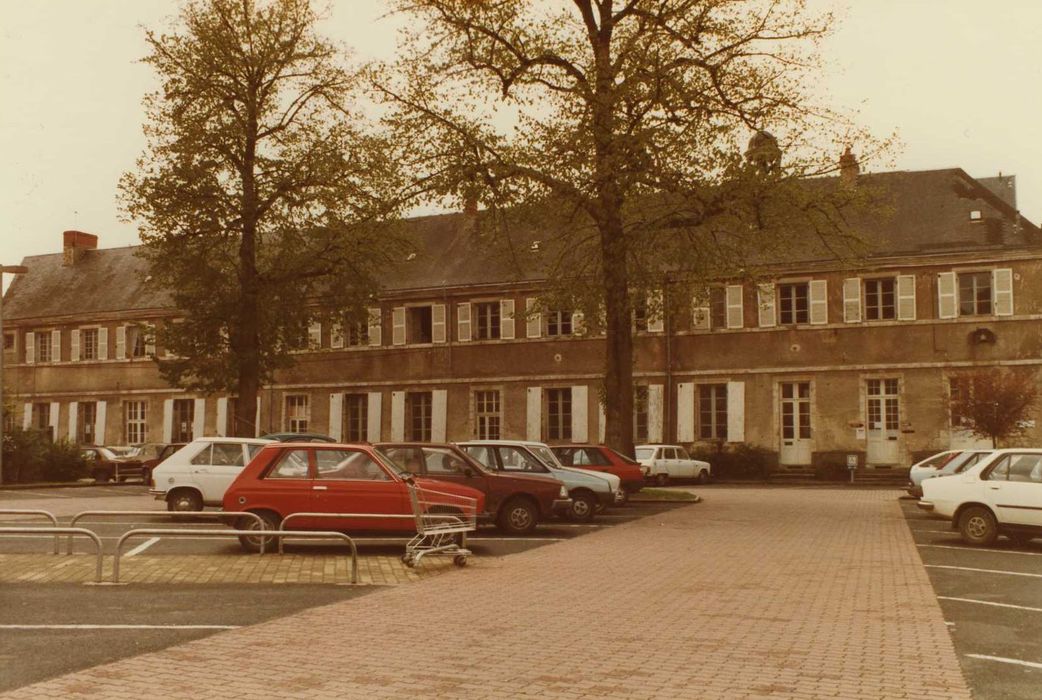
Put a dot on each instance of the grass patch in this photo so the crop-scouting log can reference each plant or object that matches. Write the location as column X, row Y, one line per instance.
column 654, row 494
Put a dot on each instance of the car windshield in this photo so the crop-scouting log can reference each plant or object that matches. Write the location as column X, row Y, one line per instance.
column 106, row 453
column 939, row 460
column 645, row 452
column 545, row 455
column 969, row 460
column 402, row 459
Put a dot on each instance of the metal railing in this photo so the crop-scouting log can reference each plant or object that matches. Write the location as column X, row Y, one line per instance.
column 228, row 533
column 282, row 525
column 46, row 513
column 165, row 514
column 70, row 531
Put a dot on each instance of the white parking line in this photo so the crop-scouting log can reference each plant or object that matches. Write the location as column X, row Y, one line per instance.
column 142, row 547
column 1004, row 660
column 516, row 539
column 120, row 627
column 982, row 571
column 989, row 602
column 967, row 548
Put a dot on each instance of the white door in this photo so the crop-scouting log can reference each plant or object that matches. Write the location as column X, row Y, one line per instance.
column 884, row 421
column 216, row 467
column 795, row 423
column 1014, row 489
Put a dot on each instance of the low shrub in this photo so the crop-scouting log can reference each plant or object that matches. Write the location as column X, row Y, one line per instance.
column 739, row 462
column 30, row 456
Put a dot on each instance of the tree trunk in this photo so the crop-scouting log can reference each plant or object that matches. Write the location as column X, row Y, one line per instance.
column 618, row 342
column 248, row 336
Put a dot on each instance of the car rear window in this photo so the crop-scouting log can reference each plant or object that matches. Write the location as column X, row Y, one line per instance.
column 348, row 465
column 645, row 453
column 292, row 464
column 623, row 457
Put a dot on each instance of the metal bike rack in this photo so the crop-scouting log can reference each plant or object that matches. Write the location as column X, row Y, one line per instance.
column 163, row 514
column 45, row 513
column 229, row 533
column 70, row 531
column 282, row 525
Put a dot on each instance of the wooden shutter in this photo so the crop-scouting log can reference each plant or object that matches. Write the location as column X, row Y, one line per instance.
column 765, row 298
column 52, row 420
column 506, row 319
column 1002, row 283
column 578, row 323
column 534, row 322
column 373, row 416
column 27, row 416
column 398, row 325
column 852, row 300
column 580, row 414
column 100, row 415
column 819, row 302
column 398, row 415
column 56, row 346
column 103, row 343
column 685, row 412
column 199, row 418
column 736, row 411
column 601, row 420
column 533, row 415
column 439, row 415
column 257, row 419
column 150, row 340
column 947, row 302
column 656, row 312
column 376, row 338
column 336, row 416
column 906, row 297
column 74, row 421
column 30, row 348
column 438, row 323
column 463, row 322
column 168, row 420
column 74, row 345
column 735, row 306
column 222, row 416
column 655, row 412
column 121, row 342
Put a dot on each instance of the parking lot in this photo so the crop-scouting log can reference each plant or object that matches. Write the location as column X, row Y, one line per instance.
column 992, row 602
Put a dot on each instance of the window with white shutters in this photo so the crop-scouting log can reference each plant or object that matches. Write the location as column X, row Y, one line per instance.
column 298, row 413
column 559, row 414
column 356, row 417
column 880, row 299
column 135, row 425
column 419, row 409
column 89, row 344
column 487, row 415
column 712, row 411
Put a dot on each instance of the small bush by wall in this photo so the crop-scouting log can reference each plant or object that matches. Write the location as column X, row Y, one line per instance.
column 30, row 456
column 739, row 462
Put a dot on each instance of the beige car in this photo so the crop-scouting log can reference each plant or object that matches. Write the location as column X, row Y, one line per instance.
column 660, row 463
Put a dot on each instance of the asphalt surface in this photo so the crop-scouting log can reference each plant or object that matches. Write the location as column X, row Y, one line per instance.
column 992, row 602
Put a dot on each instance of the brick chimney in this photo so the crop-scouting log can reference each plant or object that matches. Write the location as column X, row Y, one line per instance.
column 75, row 244
column 848, row 168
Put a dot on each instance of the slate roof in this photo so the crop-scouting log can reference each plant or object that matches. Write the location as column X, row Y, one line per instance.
column 929, row 213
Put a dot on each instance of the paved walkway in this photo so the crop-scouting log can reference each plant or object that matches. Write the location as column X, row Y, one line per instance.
column 755, row 593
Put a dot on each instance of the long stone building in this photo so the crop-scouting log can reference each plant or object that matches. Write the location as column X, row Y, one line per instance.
column 823, row 362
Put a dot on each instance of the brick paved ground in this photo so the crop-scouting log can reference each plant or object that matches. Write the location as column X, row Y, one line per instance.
column 756, row 593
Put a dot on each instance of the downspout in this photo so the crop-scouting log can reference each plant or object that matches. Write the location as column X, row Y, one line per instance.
column 667, row 390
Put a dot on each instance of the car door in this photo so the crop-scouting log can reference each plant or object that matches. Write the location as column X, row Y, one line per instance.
column 1014, row 489
column 443, row 464
column 685, row 465
column 349, row 480
column 667, row 461
column 287, row 487
column 215, row 469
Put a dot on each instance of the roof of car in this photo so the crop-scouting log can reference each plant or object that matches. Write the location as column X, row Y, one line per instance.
column 656, row 444
column 526, row 443
column 217, row 438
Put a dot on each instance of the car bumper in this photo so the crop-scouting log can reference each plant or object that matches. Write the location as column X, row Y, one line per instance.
column 158, row 495
column 562, row 506
column 607, row 498
column 914, row 490
column 925, row 505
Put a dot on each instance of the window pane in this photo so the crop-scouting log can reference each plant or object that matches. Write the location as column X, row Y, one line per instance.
column 291, row 465
column 227, row 454
column 348, row 465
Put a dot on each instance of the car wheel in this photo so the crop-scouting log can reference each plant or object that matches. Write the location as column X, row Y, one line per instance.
column 100, row 476
column 703, row 477
column 661, row 479
column 252, row 544
column 1019, row 539
column 977, row 526
column 584, row 505
column 184, row 500
column 518, row 516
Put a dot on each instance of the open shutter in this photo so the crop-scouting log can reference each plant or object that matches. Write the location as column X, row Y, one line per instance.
column 30, row 347
column 150, row 339
column 257, row 419
column 439, row 415
column 438, row 323
column 506, row 319
column 314, row 336
column 373, row 416
column 852, row 300
column 398, row 325
column 685, row 412
column 199, row 418
column 735, row 306
column 700, row 310
column 656, row 312
column 534, row 322
column 580, row 414
column 100, row 416
column 533, row 415
column 103, row 343
column 765, row 299
column 375, row 326
column 222, row 416
column 56, row 346
column 906, row 297
column 74, row 421
column 819, row 302
column 74, row 345
column 578, row 323
column 947, row 305
column 463, row 322
column 52, row 422
column 27, row 416
column 121, row 342
column 398, row 415
column 168, row 420
column 1002, row 283
column 601, row 421
column 336, row 416
column 655, row 406
column 736, row 411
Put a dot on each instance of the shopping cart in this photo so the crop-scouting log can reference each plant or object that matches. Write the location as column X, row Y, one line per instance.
column 442, row 523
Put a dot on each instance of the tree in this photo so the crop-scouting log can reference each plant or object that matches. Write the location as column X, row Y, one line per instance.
column 262, row 200
column 994, row 403
column 617, row 129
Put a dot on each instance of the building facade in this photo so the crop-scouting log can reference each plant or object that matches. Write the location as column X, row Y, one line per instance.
column 818, row 362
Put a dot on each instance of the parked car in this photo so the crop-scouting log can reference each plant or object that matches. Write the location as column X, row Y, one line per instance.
column 589, row 491
column 104, row 465
column 152, row 453
column 320, row 477
column 664, row 462
column 514, row 502
column 602, row 459
column 299, row 437
column 1000, row 495
column 941, row 464
column 199, row 473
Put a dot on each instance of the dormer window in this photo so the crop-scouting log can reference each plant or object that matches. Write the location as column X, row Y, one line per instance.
column 976, row 215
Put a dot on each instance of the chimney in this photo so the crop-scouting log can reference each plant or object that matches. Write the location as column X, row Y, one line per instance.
column 848, row 168
column 75, row 244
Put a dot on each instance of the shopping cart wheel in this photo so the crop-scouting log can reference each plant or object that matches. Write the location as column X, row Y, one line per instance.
column 460, row 560
column 408, row 561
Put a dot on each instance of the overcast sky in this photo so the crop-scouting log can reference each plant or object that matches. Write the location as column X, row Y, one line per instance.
column 959, row 80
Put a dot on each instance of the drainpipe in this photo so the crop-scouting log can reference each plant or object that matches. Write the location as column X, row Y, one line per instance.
column 667, row 390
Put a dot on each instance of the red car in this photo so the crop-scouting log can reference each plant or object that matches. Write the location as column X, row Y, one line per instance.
column 603, row 459
column 320, row 477
column 515, row 502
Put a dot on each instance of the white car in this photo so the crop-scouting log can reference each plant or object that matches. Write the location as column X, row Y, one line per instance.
column 1000, row 495
column 660, row 463
column 200, row 472
column 942, row 464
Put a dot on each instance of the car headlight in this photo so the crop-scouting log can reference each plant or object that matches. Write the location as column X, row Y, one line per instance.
column 563, row 493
